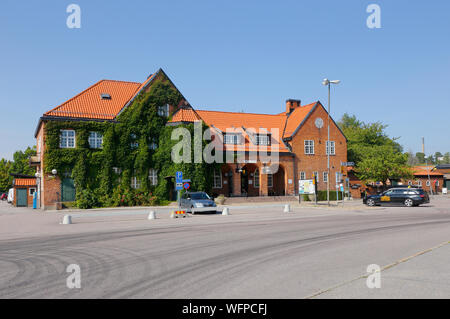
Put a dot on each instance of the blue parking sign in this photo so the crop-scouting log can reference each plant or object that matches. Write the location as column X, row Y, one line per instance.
column 179, row 177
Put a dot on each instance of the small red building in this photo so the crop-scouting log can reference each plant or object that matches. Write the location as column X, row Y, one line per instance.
column 24, row 189
column 427, row 178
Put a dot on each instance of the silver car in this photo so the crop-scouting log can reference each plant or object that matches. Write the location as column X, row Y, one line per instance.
column 198, row 201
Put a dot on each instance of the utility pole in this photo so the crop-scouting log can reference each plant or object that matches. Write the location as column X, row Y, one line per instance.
column 426, row 165
column 328, row 146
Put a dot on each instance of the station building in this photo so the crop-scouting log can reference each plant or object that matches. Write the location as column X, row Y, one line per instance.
column 296, row 133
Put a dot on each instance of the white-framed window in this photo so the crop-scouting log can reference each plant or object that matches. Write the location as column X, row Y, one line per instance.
column 338, row 177
column 419, row 182
column 428, row 183
column 134, row 142
column 95, row 140
column 309, row 147
column 152, row 144
column 135, row 182
column 325, row 177
column 217, row 179
column 262, row 139
column 331, row 148
column 302, row 176
column 410, row 183
column 67, row 139
column 31, row 191
column 231, row 139
column 256, row 183
column 269, row 180
column 153, row 176
column 163, row 110
column 316, row 175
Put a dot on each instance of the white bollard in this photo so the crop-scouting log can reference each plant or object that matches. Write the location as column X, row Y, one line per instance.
column 151, row 215
column 287, row 208
column 225, row 212
column 67, row 220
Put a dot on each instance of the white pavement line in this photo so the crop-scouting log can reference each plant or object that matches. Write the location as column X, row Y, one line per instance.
column 400, row 261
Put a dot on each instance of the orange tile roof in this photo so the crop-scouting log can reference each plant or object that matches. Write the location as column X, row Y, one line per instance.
column 425, row 171
column 247, row 123
column 296, row 118
column 185, row 114
column 25, row 182
column 89, row 104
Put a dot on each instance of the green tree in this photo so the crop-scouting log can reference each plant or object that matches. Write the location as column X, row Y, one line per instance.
column 420, row 157
column 437, row 157
column 447, row 158
column 5, row 178
column 21, row 162
column 377, row 156
column 430, row 160
column 362, row 137
column 382, row 163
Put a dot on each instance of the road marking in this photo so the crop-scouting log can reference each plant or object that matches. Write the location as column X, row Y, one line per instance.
column 400, row 261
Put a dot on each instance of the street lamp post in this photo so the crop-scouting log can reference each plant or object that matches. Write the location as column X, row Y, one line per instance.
column 327, row 146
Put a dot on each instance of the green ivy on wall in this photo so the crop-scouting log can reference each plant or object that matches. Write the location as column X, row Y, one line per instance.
column 102, row 177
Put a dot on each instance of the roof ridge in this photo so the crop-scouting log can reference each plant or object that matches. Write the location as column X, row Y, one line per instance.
column 134, row 82
column 240, row 113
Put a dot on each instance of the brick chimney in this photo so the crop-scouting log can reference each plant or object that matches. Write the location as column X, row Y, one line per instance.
column 291, row 105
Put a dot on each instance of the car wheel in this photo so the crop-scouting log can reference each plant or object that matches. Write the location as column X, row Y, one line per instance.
column 370, row 202
column 409, row 202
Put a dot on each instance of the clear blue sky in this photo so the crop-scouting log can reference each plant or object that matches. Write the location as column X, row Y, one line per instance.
column 234, row 55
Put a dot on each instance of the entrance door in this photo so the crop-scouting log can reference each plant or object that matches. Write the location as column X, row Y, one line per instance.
column 244, row 182
column 67, row 190
column 447, row 184
column 22, row 200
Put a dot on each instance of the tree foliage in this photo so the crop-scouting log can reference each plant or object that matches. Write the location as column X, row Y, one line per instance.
column 377, row 156
column 19, row 165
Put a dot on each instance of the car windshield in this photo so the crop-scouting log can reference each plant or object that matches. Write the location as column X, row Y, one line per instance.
column 199, row 196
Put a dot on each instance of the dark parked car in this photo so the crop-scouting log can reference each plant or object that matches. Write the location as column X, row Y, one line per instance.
column 3, row 196
column 399, row 196
column 197, row 200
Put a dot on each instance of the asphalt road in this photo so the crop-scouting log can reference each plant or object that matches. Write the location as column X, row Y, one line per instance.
column 256, row 253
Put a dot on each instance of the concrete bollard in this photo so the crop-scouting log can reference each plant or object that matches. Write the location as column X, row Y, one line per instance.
column 225, row 211
column 67, row 220
column 151, row 215
column 287, row 208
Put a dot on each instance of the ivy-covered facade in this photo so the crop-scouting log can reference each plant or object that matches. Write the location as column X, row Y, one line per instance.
column 111, row 145
column 102, row 149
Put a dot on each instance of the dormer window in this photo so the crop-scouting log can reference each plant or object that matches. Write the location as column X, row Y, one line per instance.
column 232, row 139
column 163, row 110
column 105, row 96
column 261, row 139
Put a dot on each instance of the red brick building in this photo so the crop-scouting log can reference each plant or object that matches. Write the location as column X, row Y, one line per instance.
column 427, row 178
column 297, row 137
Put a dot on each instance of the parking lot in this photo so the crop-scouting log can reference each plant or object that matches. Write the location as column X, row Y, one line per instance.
column 255, row 252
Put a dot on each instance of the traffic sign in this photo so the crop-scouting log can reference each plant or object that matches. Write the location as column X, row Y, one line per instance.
column 186, row 185
column 179, row 177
